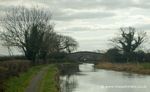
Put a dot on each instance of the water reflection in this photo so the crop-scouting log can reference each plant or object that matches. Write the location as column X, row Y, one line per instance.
column 69, row 73
column 68, row 69
column 86, row 67
column 84, row 78
column 130, row 75
column 68, row 83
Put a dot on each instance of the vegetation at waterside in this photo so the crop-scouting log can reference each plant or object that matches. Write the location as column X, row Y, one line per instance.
column 125, row 55
column 143, row 68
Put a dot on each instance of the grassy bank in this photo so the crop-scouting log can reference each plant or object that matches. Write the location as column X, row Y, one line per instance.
column 50, row 80
column 18, row 84
column 143, row 68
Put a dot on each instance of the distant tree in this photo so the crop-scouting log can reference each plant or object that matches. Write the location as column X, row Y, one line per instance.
column 147, row 57
column 67, row 44
column 26, row 29
column 114, row 55
column 140, row 56
column 70, row 44
column 129, row 40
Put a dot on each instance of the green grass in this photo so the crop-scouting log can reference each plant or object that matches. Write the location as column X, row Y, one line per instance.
column 49, row 82
column 146, row 65
column 18, row 84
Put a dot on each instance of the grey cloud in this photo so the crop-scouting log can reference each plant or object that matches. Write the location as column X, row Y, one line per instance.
column 145, row 27
column 80, row 4
column 88, row 4
column 4, row 8
column 107, row 4
column 84, row 15
column 84, row 19
column 79, row 29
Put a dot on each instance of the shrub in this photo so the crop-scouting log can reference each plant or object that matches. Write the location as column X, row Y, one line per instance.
column 12, row 68
column 7, row 58
column 3, row 76
column 16, row 66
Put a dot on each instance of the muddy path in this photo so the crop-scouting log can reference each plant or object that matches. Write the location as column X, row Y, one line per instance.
column 35, row 82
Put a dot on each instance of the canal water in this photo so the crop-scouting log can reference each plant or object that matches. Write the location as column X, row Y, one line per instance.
column 89, row 79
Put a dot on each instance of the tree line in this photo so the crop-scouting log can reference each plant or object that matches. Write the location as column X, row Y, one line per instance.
column 32, row 31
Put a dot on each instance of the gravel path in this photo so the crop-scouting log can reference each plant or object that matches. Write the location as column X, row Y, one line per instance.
column 34, row 84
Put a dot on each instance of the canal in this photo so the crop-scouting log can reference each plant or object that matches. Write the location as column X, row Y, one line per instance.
column 89, row 79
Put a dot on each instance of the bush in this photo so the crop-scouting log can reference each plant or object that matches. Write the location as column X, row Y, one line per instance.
column 16, row 66
column 3, row 76
column 11, row 68
column 7, row 58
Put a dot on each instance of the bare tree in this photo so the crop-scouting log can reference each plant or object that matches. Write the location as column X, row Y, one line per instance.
column 25, row 28
column 70, row 44
column 129, row 40
column 49, row 44
column 67, row 44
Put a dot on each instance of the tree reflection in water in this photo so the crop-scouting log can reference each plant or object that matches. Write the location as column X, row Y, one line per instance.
column 68, row 83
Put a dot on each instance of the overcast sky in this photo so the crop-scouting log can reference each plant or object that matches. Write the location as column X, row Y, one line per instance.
column 91, row 22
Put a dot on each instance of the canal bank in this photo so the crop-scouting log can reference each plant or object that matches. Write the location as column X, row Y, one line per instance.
column 142, row 68
column 42, row 78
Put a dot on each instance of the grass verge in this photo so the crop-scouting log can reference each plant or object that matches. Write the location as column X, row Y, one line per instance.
column 50, row 80
column 143, row 68
column 18, row 84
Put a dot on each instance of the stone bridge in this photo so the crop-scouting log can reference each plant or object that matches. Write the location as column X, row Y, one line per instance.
column 88, row 57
